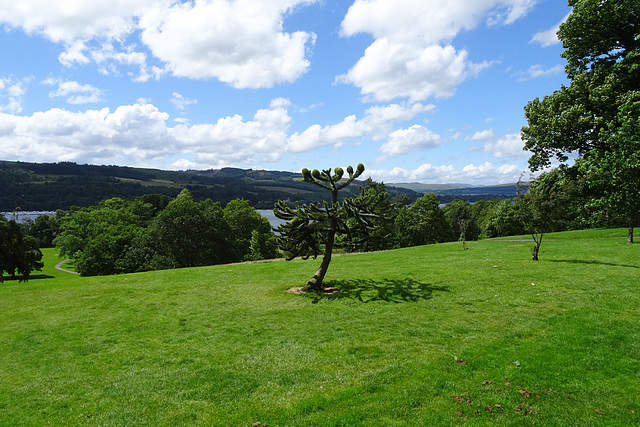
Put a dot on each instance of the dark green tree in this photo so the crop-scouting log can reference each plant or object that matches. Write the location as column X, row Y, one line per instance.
column 378, row 233
column 596, row 116
column 45, row 228
column 188, row 234
column 311, row 229
column 503, row 220
column 19, row 253
column 422, row 223
column 252, row 236
column 98, row 237
column 462, row 220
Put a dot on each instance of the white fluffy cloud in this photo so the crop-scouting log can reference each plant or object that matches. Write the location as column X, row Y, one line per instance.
column 239, row 42
column 67, row 21
column 500, row 146
column 549, row 37
column 376, row 124
column 133, row 132
column 74, row 92
column 138, row 134
column 537, row 71
column 390, row 70
column 11, row 93
column 415, row 138
column 412, row 55
column 485, row 173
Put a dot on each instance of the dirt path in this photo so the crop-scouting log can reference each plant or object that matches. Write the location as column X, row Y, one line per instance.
column 59, row 267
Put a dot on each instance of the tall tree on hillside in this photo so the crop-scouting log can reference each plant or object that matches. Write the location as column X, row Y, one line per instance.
column 97, row 237
column 311, row 229
column 253, row 238
column 597, row 116
column 422, row 223
column 191, row 234
column 19, row 253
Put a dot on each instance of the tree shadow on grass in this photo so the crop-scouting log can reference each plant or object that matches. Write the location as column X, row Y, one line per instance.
column 579, row 261
column 394, row 291
column 31, row 277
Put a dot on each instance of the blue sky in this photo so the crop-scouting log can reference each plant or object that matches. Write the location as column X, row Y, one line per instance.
column 419, row 91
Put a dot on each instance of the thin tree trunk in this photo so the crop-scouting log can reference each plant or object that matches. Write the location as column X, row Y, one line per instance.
column 630, row 234
column 536, row 248
column 315, row 283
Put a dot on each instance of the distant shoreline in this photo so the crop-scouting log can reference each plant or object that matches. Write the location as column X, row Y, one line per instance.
column 22, row 216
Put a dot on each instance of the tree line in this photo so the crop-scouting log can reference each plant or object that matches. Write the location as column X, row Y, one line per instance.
column 156, row 232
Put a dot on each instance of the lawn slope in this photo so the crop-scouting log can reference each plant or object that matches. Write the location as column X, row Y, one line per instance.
column 431, row 335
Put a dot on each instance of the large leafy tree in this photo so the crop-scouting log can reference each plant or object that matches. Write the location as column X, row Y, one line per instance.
column 189, row 234
column 19, row 251
column 311, row 229
column 97, row 237
column 596, row 117
column 422, row 223
column 253, row 238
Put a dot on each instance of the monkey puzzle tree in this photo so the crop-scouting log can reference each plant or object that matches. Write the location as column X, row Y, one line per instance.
column 311, row 229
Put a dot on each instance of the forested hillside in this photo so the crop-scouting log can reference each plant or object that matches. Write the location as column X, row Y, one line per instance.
column 52, row 186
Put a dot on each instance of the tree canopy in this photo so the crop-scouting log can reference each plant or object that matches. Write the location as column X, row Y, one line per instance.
column 154, row 232
column 19, row 253
column 595, row 119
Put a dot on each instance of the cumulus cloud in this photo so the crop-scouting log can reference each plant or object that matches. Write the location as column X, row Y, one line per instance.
column 500, row 146
column 390, row 70
column 548, row 37
column 537, row 71
column 11, row 93
column 485, row 173
column 412, row 55
column 239, row 42
column 74, row 92
column 376, row 124
column 67, row 21
column 139, row 135
column 481, row 135
column 415, row 138
column 182, row 102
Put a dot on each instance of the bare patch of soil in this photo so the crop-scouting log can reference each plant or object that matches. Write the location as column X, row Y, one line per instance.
column 327, row 291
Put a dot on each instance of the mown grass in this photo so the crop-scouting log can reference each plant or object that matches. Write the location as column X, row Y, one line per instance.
column 430, row 335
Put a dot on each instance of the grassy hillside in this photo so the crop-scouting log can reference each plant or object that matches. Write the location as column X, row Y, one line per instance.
column 420, row 336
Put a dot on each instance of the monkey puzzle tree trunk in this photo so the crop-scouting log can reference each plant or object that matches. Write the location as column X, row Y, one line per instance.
column 315, row 283
column 311, row 229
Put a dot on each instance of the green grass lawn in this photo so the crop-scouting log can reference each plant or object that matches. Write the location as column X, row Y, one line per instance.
column 424, row 336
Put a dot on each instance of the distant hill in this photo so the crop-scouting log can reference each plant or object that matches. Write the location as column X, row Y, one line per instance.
column 429, row 188
column 52, row 186
column 509, row 190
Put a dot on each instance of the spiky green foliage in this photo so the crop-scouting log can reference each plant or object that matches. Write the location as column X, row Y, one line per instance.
column 311, row 229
